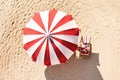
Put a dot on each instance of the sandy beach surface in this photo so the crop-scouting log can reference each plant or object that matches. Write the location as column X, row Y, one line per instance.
column 98, row 18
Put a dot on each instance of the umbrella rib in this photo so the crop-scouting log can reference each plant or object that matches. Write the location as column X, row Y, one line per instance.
column 28, row 31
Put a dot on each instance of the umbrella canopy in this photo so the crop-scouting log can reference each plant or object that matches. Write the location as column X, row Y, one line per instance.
column 50, row 37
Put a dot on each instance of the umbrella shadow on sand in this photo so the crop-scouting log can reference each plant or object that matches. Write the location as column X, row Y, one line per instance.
column 76, row 69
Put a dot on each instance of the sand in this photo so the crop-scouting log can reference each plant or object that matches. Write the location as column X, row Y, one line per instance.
column 98, row 18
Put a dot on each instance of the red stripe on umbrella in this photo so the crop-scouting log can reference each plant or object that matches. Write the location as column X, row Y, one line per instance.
column 28, row 31
column 34, row 56
column 64, row 20
column 38, row 20
column 52, row 14
column 29, row 44
column 47, row 55
column 75, row 31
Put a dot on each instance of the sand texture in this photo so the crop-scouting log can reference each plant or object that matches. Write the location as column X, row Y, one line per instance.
column 98, row 18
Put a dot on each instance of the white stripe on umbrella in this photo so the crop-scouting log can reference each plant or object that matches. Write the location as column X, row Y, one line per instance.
column 69, row 25
column 32, row 49
column 33, row 25
column 41, row 55
column 44, row 18
column 53, row 57
column 69, row 38
column 65, row 51
column 28, row 38
column 59, row 15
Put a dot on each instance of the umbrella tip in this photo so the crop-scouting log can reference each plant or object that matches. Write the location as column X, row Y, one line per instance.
column 53, row 9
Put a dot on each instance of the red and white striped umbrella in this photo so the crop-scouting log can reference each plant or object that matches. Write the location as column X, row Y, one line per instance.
column 50, row 37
